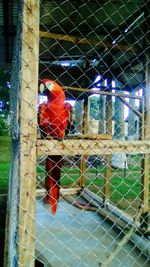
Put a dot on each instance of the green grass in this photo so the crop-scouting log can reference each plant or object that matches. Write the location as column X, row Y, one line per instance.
column 5, row 154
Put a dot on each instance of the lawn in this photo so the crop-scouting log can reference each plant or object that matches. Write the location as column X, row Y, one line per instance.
column 125, row 187
column 5, row 157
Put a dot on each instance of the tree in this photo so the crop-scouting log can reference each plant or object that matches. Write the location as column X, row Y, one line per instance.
column 94, row 107
column 5, row 85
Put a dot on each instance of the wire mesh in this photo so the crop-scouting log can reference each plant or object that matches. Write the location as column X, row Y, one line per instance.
column 82, row 137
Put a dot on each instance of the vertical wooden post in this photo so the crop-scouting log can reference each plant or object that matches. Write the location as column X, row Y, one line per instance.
column 141, row 123
column 78, row 115
column 84, row 131
column 145, row 169
column 109, row 114
column 132, row 116
column 83, row 170
column 119, row 160
column 28, row 132
column 142, row 119
column 102, row 111
column 108, row 131
column 86, row 116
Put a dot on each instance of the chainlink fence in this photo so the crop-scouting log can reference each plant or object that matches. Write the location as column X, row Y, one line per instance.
column 98, row 52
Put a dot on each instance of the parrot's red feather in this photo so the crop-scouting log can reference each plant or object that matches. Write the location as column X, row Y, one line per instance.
column 54, row 119
column 54, row 198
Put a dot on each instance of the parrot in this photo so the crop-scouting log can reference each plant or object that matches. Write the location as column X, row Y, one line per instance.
column 54, row 117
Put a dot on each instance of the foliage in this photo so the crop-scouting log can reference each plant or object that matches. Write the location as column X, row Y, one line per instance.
column 5, row 84
column 5, row 152
column 94, row 107
column 3, row 126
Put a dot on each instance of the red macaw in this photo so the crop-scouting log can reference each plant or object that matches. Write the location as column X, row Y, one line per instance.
column 53, row 120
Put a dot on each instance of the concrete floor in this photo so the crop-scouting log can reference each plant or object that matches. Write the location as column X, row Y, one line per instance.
column 77, row 238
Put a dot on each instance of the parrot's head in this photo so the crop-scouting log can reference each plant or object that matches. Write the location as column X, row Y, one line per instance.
column 51, row 89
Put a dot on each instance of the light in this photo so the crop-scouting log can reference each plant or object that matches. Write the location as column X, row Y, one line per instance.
column 72, row 102
column 137, row 101
column 97, row 78
column 8, row 84
column 65, row 64
column 42, row 99
column 113, row 91
column 105, row 82
column 113, row 84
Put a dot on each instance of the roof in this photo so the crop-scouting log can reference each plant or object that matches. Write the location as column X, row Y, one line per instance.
column 82, row 39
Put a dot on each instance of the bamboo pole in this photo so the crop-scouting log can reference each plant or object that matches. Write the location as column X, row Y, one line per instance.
column 28, row 132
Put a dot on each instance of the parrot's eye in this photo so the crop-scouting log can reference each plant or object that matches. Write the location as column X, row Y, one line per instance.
column 42, row 87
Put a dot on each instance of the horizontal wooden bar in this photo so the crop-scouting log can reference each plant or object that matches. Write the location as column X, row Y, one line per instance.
column 90, row 136
column 63, row 191
column 80, row 41
column 91, row 147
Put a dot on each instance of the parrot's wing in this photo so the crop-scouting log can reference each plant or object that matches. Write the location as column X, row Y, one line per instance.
column 43, row 119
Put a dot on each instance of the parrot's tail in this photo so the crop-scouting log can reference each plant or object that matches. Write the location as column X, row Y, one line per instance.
column 52, row 181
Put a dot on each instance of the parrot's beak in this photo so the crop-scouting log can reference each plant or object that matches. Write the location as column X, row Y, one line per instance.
column 42, row 88
column 46, row 88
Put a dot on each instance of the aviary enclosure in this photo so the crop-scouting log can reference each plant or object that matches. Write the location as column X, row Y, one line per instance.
column 99, row 53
